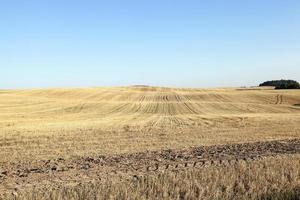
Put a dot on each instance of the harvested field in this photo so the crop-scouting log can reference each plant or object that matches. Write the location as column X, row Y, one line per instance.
column 270, row 178
column 61, row 137
column 95, row 168
column 46, row 124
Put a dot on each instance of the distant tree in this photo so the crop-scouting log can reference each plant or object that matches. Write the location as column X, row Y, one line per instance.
column 282, row 84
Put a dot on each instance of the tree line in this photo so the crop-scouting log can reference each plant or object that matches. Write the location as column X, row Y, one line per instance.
column 282, row 84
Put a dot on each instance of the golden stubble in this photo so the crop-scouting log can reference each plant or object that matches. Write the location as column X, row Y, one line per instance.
column 47, row 123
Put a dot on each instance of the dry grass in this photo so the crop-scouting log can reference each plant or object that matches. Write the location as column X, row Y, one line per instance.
column 273, row 178
column 42, row 124
column 37, row 125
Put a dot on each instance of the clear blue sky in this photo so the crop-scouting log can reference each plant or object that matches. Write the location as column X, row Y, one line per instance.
column 191, row 43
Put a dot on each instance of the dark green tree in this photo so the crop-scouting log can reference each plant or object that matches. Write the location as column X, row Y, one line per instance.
column 282, row 84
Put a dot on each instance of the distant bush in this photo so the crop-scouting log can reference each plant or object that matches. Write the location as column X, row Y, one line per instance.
column 282, row 84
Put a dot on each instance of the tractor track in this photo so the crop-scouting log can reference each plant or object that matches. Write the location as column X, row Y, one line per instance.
column 279, row 99
column 145, row 162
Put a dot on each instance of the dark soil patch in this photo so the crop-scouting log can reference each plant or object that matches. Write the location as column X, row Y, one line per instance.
column 87, row 168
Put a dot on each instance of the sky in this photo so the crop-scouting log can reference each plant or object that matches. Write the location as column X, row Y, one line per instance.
column 173, row 43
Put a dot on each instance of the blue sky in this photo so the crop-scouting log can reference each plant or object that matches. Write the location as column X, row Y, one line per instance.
column 192, row 43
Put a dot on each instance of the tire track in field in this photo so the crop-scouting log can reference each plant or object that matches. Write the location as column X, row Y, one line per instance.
column 224, row 155
column 279, row 99
column 155, row 161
